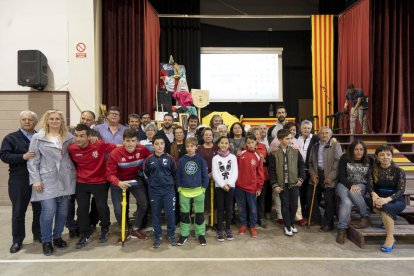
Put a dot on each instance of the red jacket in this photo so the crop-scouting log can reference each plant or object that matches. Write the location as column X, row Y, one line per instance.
column 250, row 177
column 123, row 165
column 90, row 161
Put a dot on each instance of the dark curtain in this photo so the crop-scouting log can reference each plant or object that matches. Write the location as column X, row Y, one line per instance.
column 354, row 52
column 392, row 63
column 130, row 34
column 181, row 37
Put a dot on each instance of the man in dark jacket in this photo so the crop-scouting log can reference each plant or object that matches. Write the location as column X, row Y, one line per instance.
column 14, row 151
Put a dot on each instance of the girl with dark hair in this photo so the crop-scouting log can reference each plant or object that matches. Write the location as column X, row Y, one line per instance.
column 354, row 174
column 387, row 192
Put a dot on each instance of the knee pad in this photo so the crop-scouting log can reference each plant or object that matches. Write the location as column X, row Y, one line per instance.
column 185, row 217
column 199, row 218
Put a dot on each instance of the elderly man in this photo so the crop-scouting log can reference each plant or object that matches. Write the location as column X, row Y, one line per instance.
column 323, row 170
column 15, row 152
column 112, row 131
column 307, row 140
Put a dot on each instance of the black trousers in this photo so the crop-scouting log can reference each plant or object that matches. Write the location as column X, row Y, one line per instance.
column 20, row 193
column 289, row 202
column 83, row 197
column 329, row 197
column 71, row 222
column 261, row 201
column 224, row 207
column 303, row 194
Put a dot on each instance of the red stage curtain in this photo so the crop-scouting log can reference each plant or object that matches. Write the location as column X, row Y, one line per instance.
column 130, row 34
column 392, row 63
column 151, row 58
column 354, row 51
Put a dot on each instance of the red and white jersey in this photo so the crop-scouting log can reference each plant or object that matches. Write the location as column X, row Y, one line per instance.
column 90, row 161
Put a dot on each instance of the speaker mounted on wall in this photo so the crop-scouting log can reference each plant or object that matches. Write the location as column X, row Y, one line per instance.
column 32, row 69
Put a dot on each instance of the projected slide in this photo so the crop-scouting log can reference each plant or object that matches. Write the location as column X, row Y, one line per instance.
column 242, row 74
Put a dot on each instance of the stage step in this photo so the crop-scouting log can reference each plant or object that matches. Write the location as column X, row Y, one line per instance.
column 358, row 236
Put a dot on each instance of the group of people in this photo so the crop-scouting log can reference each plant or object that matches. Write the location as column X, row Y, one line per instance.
column 176, row 171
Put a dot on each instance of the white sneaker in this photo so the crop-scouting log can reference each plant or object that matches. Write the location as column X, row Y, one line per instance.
column 288, row 232
column 294, row 229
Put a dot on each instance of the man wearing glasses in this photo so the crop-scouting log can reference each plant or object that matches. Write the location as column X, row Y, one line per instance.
column 112, row 131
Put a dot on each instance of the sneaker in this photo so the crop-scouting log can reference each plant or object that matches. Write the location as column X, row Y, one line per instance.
column 229, row 235
column 157, row 243
column 182, row 241
column 253, row 232
column 242, row 230
column 59, row 243
column 138, row 234
column 288, row 231
column 294, row 229
column 220, row 236
column 172, row 241
column 104, row 235
column 84, row 240
column 202, row 240
column 301, row 222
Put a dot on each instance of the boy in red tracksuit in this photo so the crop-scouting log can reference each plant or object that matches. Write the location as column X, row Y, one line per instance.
column 122, row 170
column 249, row 185
column 90, row 170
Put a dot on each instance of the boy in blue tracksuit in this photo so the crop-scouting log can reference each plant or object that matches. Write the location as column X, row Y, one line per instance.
column 192, row 181
column 160, row 170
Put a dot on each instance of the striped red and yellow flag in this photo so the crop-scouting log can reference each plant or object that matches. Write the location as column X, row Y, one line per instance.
column 322, row 67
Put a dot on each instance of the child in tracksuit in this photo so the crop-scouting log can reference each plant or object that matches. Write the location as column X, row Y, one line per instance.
column 286, row 173
column 225, row 172
column 192, row 181
column 160, row 170
column 249, row 185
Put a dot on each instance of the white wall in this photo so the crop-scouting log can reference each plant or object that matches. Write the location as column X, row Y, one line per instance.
column 54, row 27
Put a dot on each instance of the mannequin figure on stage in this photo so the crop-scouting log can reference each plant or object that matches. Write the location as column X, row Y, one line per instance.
column 359, row 106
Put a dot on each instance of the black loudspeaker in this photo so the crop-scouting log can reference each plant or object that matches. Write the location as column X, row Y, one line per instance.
column 32, row 69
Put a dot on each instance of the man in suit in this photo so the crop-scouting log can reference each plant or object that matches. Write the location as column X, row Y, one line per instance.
column 15, row 152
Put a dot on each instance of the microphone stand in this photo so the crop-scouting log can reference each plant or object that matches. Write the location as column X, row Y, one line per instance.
column 328, row 118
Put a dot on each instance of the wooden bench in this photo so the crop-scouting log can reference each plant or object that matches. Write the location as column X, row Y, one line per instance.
column 358, row 236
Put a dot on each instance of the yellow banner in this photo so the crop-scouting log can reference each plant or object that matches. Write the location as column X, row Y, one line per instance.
column 322, row 67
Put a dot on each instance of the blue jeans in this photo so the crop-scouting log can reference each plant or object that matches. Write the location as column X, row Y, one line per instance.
column 167, row 202
column 140, row 194
column 349, row 199
column 246, row 202
column 57, row 209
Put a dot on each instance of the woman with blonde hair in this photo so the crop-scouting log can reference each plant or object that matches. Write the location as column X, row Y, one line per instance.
column 52, row 176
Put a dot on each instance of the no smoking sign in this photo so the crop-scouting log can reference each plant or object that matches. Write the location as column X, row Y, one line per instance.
column 80, row 50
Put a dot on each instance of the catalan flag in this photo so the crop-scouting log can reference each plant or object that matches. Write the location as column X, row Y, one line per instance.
column 322, row 67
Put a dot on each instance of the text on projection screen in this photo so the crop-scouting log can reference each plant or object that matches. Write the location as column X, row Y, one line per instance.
column 243, row 77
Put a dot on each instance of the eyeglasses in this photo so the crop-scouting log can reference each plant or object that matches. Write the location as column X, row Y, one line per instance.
column 114, row 113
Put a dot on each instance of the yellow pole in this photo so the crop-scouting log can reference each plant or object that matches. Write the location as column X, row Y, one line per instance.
column 124, row 203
